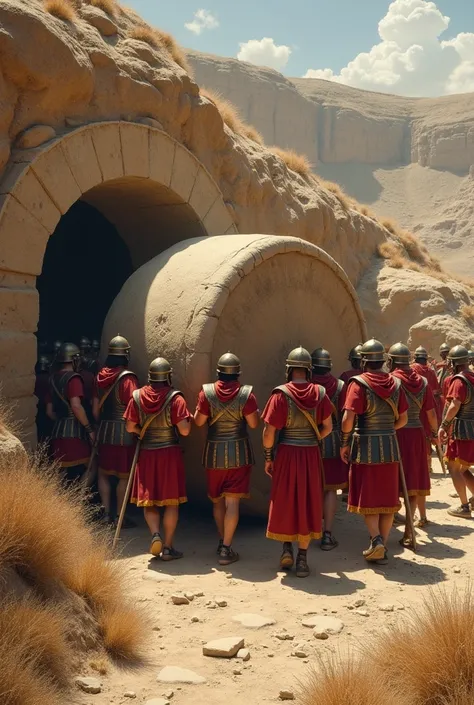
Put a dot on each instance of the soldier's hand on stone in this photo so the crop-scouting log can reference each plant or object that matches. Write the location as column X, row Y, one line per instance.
column 345, row 453
column 269, row 468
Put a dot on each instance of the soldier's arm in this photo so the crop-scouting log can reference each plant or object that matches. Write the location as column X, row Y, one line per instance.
column 326, row 427
column 95, row 408
column 402, row 420
column 49, row 411
column 450, row 411
column 184, row 427
column 252, row 419
column 199, row 418
column 347, row 424
column 433, row 422
column 132, row 427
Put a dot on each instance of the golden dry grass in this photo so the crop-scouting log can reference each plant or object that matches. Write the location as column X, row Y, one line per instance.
column 294, row 161
column 253, row 134
column 99, row 666
column 231, row 116
column 161, row 40
column 339, row 680
column 108, row 6
column 62, row 9
column 122, row 631
column 466, row 312
column 431, row 656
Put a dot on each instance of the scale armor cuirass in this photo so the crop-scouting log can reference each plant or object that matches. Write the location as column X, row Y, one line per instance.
column 66, row 424
column 160, row 433
column 331, row 445
column 463, row 424
column 298, row 430
column 374, row 441
column 112, row 429
column 228, row 445
column 415, row 403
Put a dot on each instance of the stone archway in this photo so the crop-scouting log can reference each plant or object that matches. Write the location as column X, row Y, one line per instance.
column 148, row 185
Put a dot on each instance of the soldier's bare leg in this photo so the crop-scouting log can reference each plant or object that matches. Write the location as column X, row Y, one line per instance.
column 121, row 490
column 469, row 480
column 104, row 491
column 372, row 524
column 231, row 519
column 330, row 509
column 459, row 483
column 170, row 522
column 385, row 526
column 421, row 504
column 152, row 518
column 218, row 509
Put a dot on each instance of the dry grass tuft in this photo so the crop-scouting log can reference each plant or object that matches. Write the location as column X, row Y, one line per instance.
column 294, row 161
column 389, row 225
column 466, row 312
column 340, row 680
column 431, row 657
column 122, row 631
column 62, row 9
column 253, row 134
column 108, row 6
column 231, row 116
column 100, row 666
column 161, row 40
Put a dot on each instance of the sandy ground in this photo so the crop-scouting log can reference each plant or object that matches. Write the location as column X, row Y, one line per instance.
column 254, row 585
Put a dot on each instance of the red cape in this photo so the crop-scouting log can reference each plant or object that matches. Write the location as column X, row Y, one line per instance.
column 411, row 380
column 328, row 381
column 107, row 376
column 151, row 399
column 382, row 383
column 306, row 394
column 226, row 391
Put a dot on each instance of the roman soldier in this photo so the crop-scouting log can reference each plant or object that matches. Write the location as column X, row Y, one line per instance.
column 72, row 434
column 158, row 414
column 376, row 405
column 43, row 422
column 412, row 437
column 421, row 367
column 229, row 409
column 442, row 365
column 355, row 360
column 115, row 385
column 94, row 356
column 335, row 471
column 302, row 413
column 457, row 428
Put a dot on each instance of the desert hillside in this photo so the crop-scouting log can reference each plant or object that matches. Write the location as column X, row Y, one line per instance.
column 406, row 158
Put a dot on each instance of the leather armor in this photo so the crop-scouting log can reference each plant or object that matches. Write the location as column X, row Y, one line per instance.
column 298, row 430
column 463, row 424
column 331, row 445
column 374, row 440
column 66, row 424
column 415, row 403
column 228, row 445
column 112, row 429
column 160, row 433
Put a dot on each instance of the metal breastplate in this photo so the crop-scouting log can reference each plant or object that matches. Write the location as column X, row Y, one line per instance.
column 374, row 440
column 415, row 403
column 227, row 445
column 66, row 424
column 160, row 433
column 331, row 445
column 112, row 430
column 463, row 424
column 298, row 430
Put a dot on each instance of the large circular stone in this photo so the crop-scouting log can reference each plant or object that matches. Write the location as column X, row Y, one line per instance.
column 256, row 295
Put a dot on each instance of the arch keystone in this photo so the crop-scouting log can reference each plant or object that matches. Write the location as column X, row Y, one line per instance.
column 108, row 148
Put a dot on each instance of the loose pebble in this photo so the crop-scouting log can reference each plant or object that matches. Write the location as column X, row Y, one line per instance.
column 130, row 694
column 178, row 599
column 286, row 695
column 89, row 685
column 243, row 654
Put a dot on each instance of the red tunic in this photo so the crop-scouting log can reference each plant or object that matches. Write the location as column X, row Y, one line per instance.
column 429, row 374
column 373, row 489
column 296, row 502
column 335, row 470
column 114, row 460
column 160, row 477
column 236, row 481
column 346, row 376
column 71, row 451
column 412, row 441
column 461, row 451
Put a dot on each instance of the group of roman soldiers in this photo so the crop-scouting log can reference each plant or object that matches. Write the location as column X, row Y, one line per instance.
column 366, row 434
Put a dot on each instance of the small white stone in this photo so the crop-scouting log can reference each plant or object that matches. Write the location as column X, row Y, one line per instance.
column 362, row 613
column 243, row 654
column 156, row 577
column 89, row 685
column 322, row 623
column 176, row 674
column 178, row 599
column 190, row 596
column 224, row 648
column 300, row 651
column 130, row 694
column 253, row 621
column 286, row 695
column 237, row 672
column 387, row 608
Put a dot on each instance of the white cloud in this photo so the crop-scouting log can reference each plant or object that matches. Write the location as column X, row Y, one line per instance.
column 264, row 52
column 202, row 20
column 411, row 59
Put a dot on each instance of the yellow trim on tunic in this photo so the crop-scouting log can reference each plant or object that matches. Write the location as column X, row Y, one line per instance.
column 158, row 503
column 235, row 495
column 341, row 486
column 286, row 538
column 418, row 493
column 73, row 463
column 373, row 510
column 115, row 473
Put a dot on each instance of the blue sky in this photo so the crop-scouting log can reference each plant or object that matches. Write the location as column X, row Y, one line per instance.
column 328, row 34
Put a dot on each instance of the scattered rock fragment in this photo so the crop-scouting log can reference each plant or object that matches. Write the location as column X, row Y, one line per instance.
column 89, row 685
column 457, row 570
column 189, row 596
column 168, row 694
column 176, row 674
column 286, row 695
column 237, row 672
column 358, row 603
column 322, row 623
column 195, row 619
column 224, row 648
column 98, row 19
column 198, row 594
column 157, row 577
column 300, row 651
column 130, row 694
column 387, row 608
column 362, row 613
column 35, row 136
column 254, row 621
column 243, row 654
column 178, row 599
column 157, row 701
column 221, row 602
column 284, row 636
column 211, row 605
column 320, row 635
